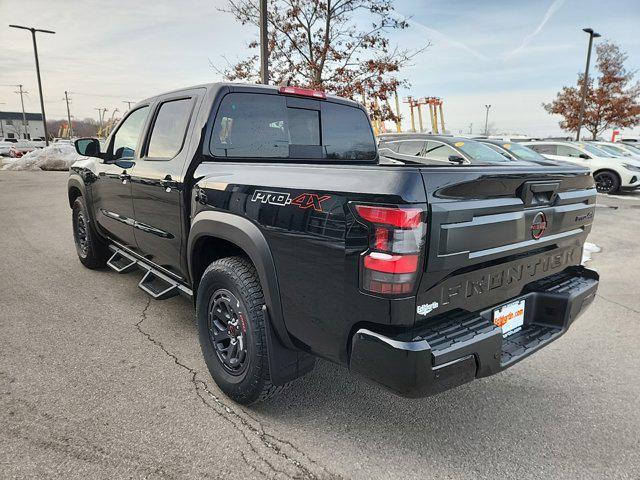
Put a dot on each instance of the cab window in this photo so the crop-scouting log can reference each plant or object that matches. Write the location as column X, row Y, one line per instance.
column 125, row 140
column 169, row 129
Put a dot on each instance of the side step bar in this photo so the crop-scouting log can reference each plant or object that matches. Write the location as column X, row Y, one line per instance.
column 157, row 284
column 122, row 263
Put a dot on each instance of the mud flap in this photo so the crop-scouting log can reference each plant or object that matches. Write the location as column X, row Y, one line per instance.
column 285, row 364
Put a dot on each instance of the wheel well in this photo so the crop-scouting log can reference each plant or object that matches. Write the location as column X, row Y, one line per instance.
column 208, row 250
column 610, row 171
column 74, row 192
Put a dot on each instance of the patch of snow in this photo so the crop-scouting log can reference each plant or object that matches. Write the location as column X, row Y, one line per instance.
column 588, row 249
column 58, row 156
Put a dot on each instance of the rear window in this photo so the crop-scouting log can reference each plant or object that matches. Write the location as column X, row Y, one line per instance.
column 253, row 125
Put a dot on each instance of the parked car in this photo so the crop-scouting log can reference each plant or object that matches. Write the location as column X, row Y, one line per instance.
column 438, row 148
column 611, row 173
column 517, row 151
column 270, row 209
column 619, row 149
column 19, row 148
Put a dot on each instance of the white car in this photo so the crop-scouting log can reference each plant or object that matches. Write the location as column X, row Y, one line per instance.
column 619, row 149
column 611, row 173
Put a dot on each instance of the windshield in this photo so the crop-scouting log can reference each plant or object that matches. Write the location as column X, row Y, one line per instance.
column 614, row 150
column 632, row 148
column 523, row 152
column 595, row 151
column 479, row 152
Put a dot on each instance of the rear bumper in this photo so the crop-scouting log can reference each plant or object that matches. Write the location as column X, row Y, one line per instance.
column 458, row 348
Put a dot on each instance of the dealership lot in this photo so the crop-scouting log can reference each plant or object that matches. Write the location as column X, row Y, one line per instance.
column 96, row 380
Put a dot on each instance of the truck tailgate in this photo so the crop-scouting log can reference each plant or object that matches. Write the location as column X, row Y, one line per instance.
column 492, row 231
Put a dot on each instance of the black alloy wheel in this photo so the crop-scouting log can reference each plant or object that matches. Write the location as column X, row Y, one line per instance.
column 607, row 182
column 228, row 331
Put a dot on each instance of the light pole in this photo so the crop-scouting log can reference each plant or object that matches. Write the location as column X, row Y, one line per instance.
column 264, row 47
column 585, row 81
column 486, row 120
column 35, row 52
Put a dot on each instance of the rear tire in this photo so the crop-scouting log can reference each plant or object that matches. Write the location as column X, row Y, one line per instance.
column 91, row 250
column 231, row 329
column 607, row 181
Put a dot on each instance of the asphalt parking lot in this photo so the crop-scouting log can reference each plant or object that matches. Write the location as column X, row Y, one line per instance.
column 98, row 381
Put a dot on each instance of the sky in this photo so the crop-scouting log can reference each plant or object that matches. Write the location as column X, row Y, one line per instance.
column 512, row 55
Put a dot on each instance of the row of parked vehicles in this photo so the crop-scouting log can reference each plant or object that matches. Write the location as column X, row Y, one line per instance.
column 615, row 166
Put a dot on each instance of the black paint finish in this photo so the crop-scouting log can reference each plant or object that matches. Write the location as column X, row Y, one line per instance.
column 295, row 220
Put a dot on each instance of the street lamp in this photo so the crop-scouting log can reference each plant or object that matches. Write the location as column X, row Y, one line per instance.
column 486, row 120
column 35, row 52
column 592, row 35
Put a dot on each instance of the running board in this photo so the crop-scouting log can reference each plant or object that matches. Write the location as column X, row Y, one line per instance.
column 121, row 262
column 157, row 284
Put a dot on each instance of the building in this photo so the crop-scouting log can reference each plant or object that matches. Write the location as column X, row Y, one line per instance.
column 11, row 125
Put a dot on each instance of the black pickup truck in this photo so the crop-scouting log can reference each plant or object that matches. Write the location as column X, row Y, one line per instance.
column 272, row 210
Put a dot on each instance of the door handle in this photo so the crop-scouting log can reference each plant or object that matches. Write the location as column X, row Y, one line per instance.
column 168, row 183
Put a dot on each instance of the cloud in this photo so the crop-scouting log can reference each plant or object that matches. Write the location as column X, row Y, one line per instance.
column 442, row 38
column 555, row 6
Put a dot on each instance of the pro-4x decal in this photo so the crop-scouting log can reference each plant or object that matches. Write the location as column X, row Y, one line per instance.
column 304, row 200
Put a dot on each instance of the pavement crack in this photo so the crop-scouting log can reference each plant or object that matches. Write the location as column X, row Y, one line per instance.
column 239, row 423
column 618, row 303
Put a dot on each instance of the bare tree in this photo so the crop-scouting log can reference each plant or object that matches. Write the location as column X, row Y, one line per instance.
column 319, row 44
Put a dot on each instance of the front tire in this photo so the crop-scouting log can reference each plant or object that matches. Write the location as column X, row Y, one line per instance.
column 607, row 181
column 91, row 251
column 231, row 329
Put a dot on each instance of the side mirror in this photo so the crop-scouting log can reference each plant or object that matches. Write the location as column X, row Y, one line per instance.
column 584, row 156
column 89, row 147
column 456, row 159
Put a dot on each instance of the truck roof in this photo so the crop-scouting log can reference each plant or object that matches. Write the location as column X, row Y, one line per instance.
column 246, row 86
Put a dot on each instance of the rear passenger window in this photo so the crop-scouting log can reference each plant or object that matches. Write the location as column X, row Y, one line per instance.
column 252, row 125
column 169, row 129
column 411, row 147
column 439, row 151
column 544, row 149
column 566, row 151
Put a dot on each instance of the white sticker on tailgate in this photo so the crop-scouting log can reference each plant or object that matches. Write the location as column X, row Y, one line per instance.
column 509, row 317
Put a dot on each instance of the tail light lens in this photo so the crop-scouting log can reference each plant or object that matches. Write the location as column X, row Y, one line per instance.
column 390, row 266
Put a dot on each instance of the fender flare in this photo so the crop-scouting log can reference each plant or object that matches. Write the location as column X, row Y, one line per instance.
column 248, row 237
column 76, row 182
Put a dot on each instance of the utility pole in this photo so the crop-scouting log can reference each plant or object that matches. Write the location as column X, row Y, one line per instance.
column 101, row 112
column 1, row 127
column 486, row 120
column 264, row 44
column 585, row 80
column 35, row 52
column 24, row 116
column 128, row 102
column 69, row 127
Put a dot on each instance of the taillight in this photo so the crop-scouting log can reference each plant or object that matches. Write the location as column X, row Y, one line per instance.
column 390, row 266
